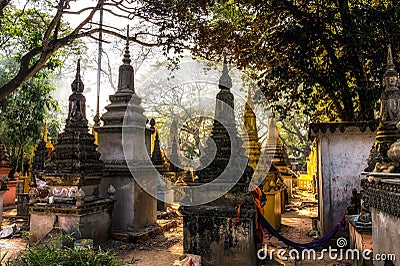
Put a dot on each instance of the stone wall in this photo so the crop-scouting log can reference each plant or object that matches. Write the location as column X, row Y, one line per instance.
column 341, row 158
column 218, row 239
column 386, row 236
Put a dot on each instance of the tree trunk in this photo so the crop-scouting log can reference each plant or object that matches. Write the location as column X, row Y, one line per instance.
column 19, row 157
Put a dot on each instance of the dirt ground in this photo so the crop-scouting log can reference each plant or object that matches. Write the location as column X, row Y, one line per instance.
column 165, row 248
column 162, row 249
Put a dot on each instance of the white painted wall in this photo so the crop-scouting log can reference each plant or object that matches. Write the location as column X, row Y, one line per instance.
column 341, row 159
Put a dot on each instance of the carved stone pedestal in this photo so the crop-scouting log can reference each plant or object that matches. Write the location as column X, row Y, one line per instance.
column 384, row 201
column 210, row 231
column 93, row 221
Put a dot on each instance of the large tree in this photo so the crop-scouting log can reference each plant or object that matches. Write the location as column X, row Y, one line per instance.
column 161, row 23
column 327, row 56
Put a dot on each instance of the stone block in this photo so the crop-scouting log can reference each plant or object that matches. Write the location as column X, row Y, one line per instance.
column 93, row 223
column 218, row 240
column 385, row 235
column 133, row 206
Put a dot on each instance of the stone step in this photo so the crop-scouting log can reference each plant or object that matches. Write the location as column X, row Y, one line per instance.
column 142, row 234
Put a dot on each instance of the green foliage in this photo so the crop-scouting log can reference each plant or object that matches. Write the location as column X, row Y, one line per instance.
column 51, row 255
column 22, row 30
column 23, row 112
column 324, row 57
column 41, row 30
column 293, row 132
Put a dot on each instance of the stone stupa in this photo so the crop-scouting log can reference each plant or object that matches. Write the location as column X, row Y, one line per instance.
column 134, row 207
column 387, row 132
column 72, row 173
column 42, row 150
column 250, row 139
column 212, row 229
column 224, row 154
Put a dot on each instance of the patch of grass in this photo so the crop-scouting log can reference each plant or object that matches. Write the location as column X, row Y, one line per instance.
column 49, row 255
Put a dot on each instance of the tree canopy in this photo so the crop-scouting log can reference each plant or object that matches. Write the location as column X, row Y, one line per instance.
column 326, row 57
column 43, row 26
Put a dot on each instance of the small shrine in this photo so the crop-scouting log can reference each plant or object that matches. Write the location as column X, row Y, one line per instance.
column 168, row 166
column 7, row 172
column 276, row 155
column 5, row 169
column 170, row 187
column 308, row 181
column 41, row 154
column 209, row 226
column 43, row 148
column 173, row 135
column 250, row 138
column 72, row 173
column 278, row 179
column 164, row 192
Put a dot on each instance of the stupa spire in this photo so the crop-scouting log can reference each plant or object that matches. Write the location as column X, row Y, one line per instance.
column 156, row 156
column 249, row 115
column 224, row 108
column 85, row 158
column 250, row 137
column 389, row 116
column 126, row 73
column 127, row 55
column 390, row 64
column 224, row 145
column 77, row 102
column 225, row 81
column 273, row 137
column 390, row 77
column 77, row 85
